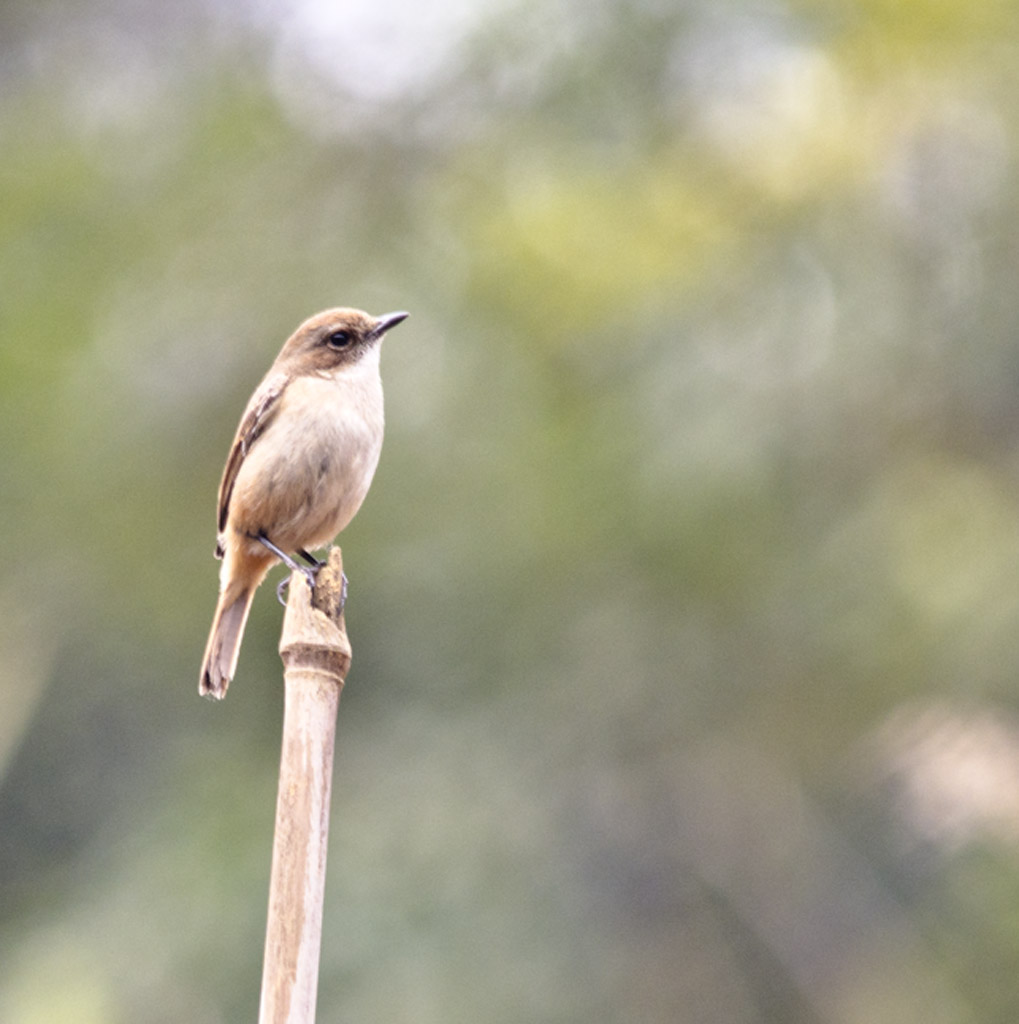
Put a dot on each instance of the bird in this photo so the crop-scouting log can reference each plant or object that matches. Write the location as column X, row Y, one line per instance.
column 301, row 463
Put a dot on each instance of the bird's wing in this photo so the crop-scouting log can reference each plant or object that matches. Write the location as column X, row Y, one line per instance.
column 259, row 414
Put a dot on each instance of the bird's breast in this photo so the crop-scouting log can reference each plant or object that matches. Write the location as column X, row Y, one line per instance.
column 308, row 473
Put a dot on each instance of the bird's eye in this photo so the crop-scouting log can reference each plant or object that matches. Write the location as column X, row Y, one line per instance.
column 338, row 339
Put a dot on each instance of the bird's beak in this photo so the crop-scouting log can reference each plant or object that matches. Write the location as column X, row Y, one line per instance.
column 385, row 322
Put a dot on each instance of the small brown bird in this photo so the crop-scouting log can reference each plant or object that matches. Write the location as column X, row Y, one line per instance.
column 301, row 463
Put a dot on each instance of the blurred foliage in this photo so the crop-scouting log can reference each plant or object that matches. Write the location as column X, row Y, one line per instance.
column 685, row 602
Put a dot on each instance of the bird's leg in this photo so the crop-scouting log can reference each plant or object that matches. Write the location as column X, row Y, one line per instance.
column 310, row 559
column 290, row 564
column 316, row 564
column 283, row 556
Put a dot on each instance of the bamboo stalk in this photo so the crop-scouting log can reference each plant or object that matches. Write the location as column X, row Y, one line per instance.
column 316, row 657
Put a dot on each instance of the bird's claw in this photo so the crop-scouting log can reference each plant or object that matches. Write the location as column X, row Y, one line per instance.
column 310, row 575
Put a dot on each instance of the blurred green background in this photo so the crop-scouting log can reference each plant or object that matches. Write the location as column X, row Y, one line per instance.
column 685, row 604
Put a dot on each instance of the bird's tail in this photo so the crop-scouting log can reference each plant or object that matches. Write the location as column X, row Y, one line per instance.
column 224, row 644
